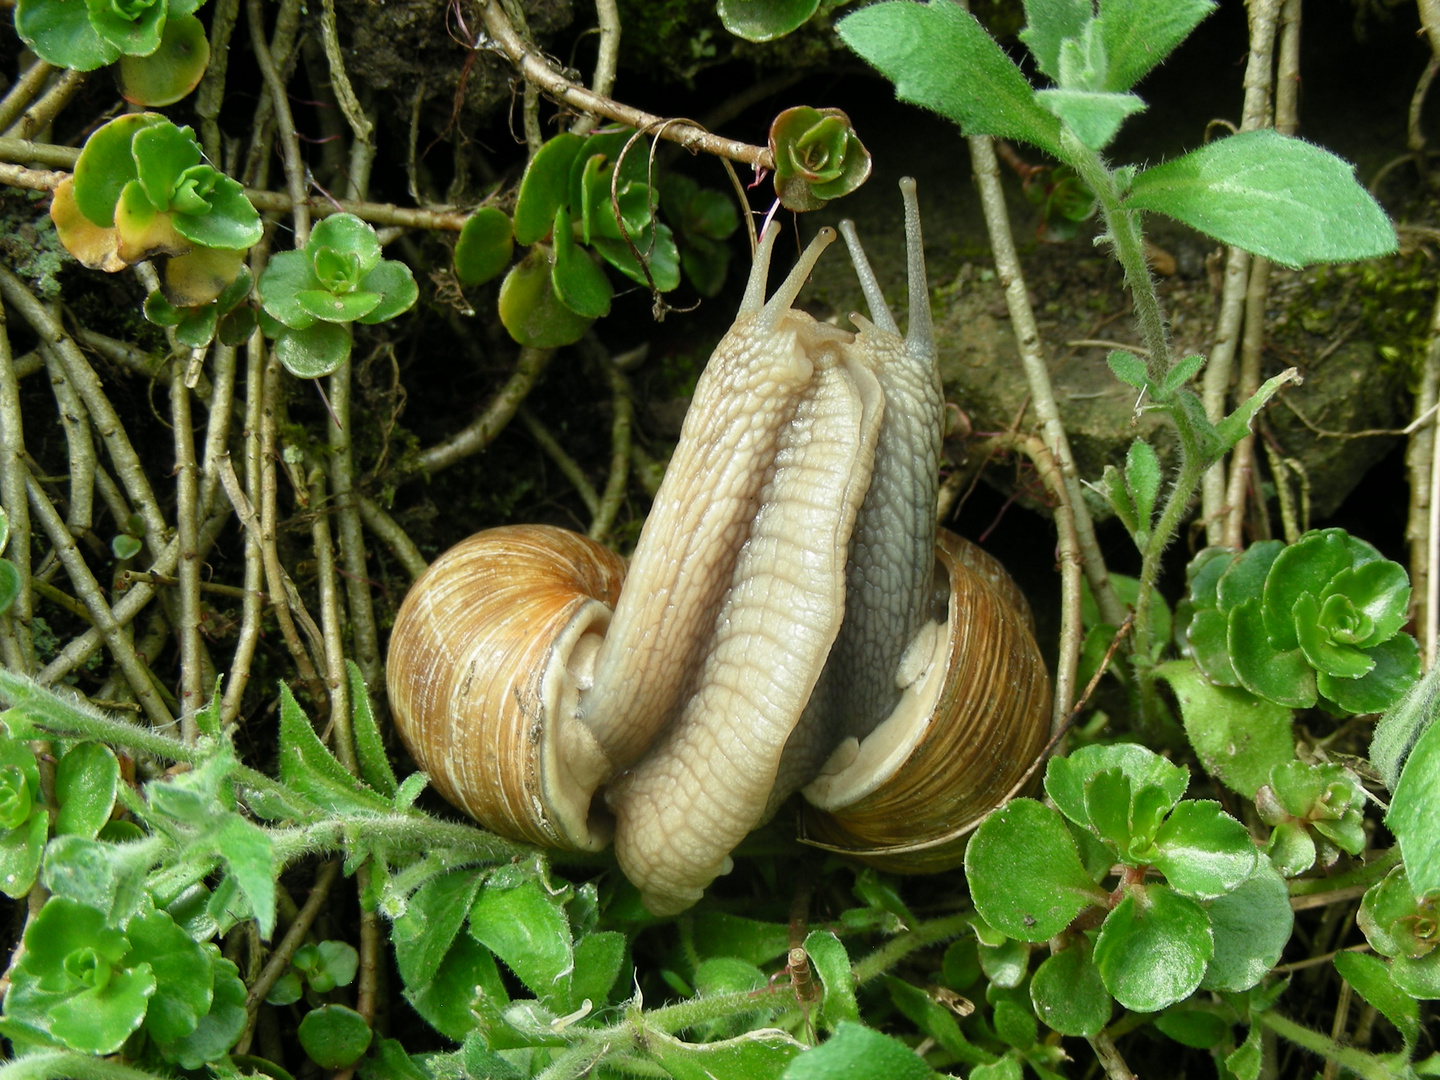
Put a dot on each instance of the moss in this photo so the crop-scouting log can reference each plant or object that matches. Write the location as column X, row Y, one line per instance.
column 28, row 241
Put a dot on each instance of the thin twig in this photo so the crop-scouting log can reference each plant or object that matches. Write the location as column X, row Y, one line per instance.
column 537, row 70
column 388, row 529
column 607, row 59
column 481, row 431
column 38, row 116
column 1420, row 457
column 1037, row 373
column 16, row 644
column 187, row 515
column 622, row 417
column 89, row 592
column 17, row 99
column 250, row 612
column 285, row 121
column 568, row 466
column 75, row 421
column 365, row 636
column 331, row 623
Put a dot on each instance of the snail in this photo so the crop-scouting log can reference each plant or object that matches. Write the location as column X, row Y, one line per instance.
column 789, row 620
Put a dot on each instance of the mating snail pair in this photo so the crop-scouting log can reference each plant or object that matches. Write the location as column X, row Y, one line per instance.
column 790, row 620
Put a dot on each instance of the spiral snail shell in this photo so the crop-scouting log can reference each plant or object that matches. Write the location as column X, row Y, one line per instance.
column 788, row 621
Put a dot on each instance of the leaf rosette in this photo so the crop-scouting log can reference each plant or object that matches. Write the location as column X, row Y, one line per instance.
column 818, row 157
column 1318, row 620
column 141, row 191
column 312, row 295
column 1315, row 811
column 162, row 48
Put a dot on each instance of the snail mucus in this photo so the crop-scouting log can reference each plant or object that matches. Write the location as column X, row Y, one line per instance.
column 791, row 620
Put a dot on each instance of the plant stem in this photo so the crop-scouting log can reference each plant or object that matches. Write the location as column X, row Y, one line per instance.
column 902, row 945
column 1362, row 1064
column 69, row 1065
column 17, row 648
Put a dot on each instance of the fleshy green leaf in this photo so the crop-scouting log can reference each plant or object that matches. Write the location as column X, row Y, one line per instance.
column 545, row 187
column 106, row 165
column 231, row 223
column 286, row 274
column 765, row 20
column 1069, row 995
column 349, row 235
column 1199, row 1028
column 1285, row 678
column 1272, row 195
column 531, row 311
column 1153, row 948
column 314, row 352
column 941, row 58
column 1397, row 667
column 1065, row 778
column 170, row 72
column 133, row 27
column 342, row 308
column 162, row 152
column 1025, row 874
column 579, row 284
column 395, row 283
column 1203, row 851
column 334, row 1036
column 485, row 245
column 219, row 1029
column 1251, row 926
column 184, row 975
column 61, row 34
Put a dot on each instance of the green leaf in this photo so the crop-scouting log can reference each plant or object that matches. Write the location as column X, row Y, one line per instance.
column 1112, row 486
column 175, row 68
column 196, row 327
column 369, row 743
column 345, row 234
column 85, row 781
column 485, row 246
column 1069, row 995
column 836, row 976
column 1142, row 480
column 663, row 257
column 336, row 308
column 1183, row 371
column 1418, row 978
column 162, row 152
column 308, row 767
column 106, row 165
column 1412, row 817
column 1094, row 116
column 1047, row 24
column 528, row 930
column 1007, row 1068
column 1025, row 874
column 395, row 283
column 231, row 223
column 756, row 1055
column 765, row 20
column 219, row 1029
column 579, row 283
column 1005, row 964
column 286, row 274
column 718, row 933
column 250, row 858
column 1138, row 34
column 531, row 311
column 9, row 584
column 1153, row 948
column 1284, row 677
column 933, row 1019
column 858, row 1053
column 1238, row 737
column 1370, row 976
column 100, row 1019
column 133, row 27
column 1399, row 730
column 184, row 975
column 61, row 34
column 1245, row 1062
column 1198, row 1028
column 432, row 918
column 1291, row 849
column 1204, row 852
column 598, row 956
column 467, row 984
column 545, row 186
column 1236, row 426
column 1129, row 369
column 1065, row 778
column 941, row 58
column 1397, row 667
column 20, row 851
column 1272, row 195
column 334, row 1036
column 1244, row 578
column 316, row 351
column 1251, row 926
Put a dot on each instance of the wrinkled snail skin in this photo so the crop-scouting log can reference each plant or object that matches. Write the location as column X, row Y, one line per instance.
column 789, row 619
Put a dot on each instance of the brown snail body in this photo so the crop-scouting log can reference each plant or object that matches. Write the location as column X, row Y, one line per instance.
column 787, row 620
